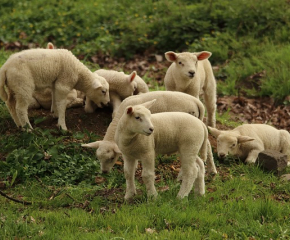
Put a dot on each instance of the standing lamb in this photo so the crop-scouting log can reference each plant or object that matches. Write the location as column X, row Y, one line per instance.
column 192, row 73
column 121, row 87
column 140, row 136
column 34, row 69
column 167, row 101
column 248, row 140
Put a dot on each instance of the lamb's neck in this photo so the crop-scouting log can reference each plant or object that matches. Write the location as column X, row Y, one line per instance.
column 127, row 137
column 84, row 80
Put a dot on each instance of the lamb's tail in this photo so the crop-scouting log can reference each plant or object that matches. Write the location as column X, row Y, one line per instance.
column 203, row 149
column 3, row 93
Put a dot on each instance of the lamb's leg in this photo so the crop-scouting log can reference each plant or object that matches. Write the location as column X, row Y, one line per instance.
column 189, row 173
column 285, row 142
column 21, row 107
column 148, row 174
column 211, row 166
column 115, row 101
column 11, row 104
column 210, row 104
column 253, row 155
column 60, row 101
column 53, row 103
column 199, row 185
column 90, row 106
column 129, row 170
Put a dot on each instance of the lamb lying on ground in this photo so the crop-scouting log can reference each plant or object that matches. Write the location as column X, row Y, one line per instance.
column 121, row 87
column 34, row 69
column 166, row 101
column 248, row 140
column 192, row 73
column 140, row 136
column 43, row 98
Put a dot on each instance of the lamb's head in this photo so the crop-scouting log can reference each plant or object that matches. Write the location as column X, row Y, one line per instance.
column 228, row 143
column 99, row 91
column 130, row 85
column 139, row 118
column 107, row 152
column 186, row 62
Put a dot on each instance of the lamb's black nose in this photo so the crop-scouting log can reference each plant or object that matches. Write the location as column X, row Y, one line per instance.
column 222, row 155
column 191, row 74
column 151, row 129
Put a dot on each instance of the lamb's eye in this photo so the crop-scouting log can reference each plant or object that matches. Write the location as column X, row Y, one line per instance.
column 104, row 92
column 233, row 145
column 180, row 63
column 137, row 118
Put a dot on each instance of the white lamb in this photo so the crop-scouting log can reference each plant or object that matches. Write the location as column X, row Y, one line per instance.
column 34, row 69
column 107, row 150
column 121, row 86
column 140, row 136
column 192, row 73
column 248, row 140
column 43, row 98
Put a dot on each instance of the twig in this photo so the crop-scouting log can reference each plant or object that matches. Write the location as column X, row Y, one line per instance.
column 15, row 200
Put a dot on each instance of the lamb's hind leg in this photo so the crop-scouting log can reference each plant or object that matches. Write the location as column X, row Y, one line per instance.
column 22, row 104
column 60, row 95
column 199, row 185
column 210, row 104
column 11, row 105
column 189, row 173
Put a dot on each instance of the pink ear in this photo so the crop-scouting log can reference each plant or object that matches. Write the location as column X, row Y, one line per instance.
column 130, row 110
column 203, row 55
column 133, row 75
column 171, row 56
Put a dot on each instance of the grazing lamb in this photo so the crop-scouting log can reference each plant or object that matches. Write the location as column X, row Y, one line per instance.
column 140, row 136
column 248, row 140
column 192, row 73
column 107, row 150
column 35, row 69
column 43, row 98
column 121, row 87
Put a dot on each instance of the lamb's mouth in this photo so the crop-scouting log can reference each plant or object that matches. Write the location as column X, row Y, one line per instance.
column 147, row 134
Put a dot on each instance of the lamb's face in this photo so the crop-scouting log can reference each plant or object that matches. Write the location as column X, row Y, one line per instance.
column 186, row 64
column 108, row 154
column 227, row 145
column 140, row 120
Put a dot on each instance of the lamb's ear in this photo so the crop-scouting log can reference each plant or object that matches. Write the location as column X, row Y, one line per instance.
column 171, row 56
column 50, row 46
column 116, row 149
column 129, row 110
column 243, row 139
column 214, row 132
column 202, row 55
column 149, row 104
column 92, row 145
column 96, row 84
column 132, row 76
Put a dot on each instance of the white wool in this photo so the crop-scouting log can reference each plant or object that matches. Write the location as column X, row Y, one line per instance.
column 121, row 86
column 166, row 101
column 141, row 136
column 36, row 69
column 248, row 140
column 192, row 73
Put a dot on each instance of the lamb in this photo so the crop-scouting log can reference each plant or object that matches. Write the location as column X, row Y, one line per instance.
column 121, row 87
column 248, row 140
column 140, row 136
column 43, row 97
column 35, row 69
column 192, row 73
column 167, row 101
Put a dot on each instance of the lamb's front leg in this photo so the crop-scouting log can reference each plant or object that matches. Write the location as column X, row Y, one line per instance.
column 60, row 101
column 115, row 101
column 148, row 174
column 253, row 155
column 129, row 170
